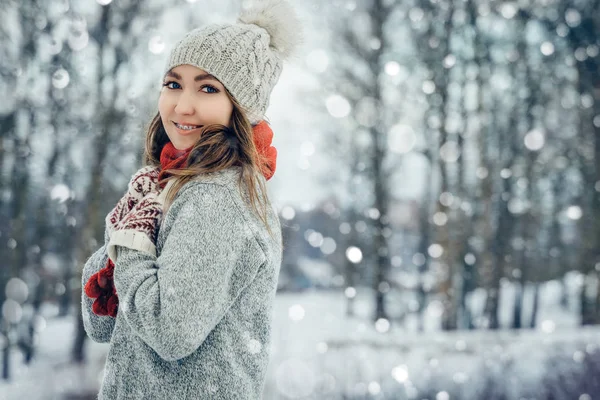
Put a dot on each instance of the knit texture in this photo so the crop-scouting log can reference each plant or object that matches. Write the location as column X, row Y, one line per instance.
column 142, row 225
column 142, row 182
column 100, row 287
column 246, row 57
column 194, row 322
column 220, row 50
column 139, row 227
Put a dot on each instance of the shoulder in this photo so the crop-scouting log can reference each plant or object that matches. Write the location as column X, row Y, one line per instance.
column 217, row 204
column 224, row 193
column 208, row 195
column 205, row 212
column 220, row 194
column 226, row 178
column 225, row 183
column 221, row 187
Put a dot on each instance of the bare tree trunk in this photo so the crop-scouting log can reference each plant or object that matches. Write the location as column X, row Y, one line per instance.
column 535, row 305
column 350, row 267
column 43, row 233
column 18, row 255
column 91, row 217
column 564, row 295
column 380, row 242
column 94, row 219
column 381, row 190
column 585, row 34
column 487, row 268
column 109, row 119
column 77, row 351
column 518, row 306
column 463, row 228
column 7, row 130
column 424, row 243
column 586, row 305
column 491, row 267
column 597, row 300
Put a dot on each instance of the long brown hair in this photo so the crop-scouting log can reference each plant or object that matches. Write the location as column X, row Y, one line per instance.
column 219, row 147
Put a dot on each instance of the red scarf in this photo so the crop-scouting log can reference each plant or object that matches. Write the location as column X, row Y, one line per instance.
column 172, row 158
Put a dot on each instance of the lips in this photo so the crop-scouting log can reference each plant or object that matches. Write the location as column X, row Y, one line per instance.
column 186, row 129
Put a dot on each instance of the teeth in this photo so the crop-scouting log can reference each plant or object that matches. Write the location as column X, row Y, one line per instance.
column 187, row 127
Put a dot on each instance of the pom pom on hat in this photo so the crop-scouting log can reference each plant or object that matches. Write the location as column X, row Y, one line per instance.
column 278, row 18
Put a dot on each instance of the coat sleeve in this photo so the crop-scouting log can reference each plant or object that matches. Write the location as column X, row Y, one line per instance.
column 98, row 328
column 209, row 257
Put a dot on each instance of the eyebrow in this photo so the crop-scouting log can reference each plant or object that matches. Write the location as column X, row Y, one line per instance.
column 198, row 78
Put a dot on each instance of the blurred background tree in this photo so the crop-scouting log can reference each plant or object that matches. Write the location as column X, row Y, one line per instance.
column 453, row 150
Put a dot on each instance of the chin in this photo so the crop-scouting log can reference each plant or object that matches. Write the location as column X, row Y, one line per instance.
column 182, row 142
column 181, row 145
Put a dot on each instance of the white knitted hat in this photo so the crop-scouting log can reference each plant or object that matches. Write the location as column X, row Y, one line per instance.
column 247, row 56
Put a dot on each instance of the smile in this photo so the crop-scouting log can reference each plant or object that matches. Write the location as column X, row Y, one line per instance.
column 187, row 127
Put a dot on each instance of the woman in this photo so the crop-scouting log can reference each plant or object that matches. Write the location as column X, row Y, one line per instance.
column 183, row 288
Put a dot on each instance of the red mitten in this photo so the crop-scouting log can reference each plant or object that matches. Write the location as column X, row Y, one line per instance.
column 91, row 288
column 105, row 275
column 106, row 305
column 112, row 304
column 100, row 287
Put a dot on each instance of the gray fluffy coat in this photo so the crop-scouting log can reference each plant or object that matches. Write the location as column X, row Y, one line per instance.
column 194, row 322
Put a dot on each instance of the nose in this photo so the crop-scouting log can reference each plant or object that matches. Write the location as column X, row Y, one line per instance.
column 185, row 104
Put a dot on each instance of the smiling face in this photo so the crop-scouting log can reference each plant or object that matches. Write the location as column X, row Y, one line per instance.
column 190, row 99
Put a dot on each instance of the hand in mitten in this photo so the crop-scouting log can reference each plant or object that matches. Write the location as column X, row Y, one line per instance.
column 139, row 228
column 100, row 285
column 144, row 181
column 101, row 288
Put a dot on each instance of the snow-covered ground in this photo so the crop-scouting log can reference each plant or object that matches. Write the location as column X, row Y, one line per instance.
column 317, row 353
column 51, row 375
